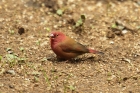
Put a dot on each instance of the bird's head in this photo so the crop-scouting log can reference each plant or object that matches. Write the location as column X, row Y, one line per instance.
column 56, row 36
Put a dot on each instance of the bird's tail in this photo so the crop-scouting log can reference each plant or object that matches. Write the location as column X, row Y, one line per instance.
column 95, row 52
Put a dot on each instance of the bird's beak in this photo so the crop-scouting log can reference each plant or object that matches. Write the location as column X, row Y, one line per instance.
column 51, row 36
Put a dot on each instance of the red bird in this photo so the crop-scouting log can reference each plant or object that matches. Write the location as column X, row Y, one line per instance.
column 66, row 48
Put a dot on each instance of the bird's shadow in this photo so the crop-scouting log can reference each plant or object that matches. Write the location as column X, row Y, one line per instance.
column 75, row 60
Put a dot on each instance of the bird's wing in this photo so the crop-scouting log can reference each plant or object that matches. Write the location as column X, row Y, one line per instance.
column 70, row 46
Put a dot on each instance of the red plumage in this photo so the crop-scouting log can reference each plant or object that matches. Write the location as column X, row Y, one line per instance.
column 66, row 48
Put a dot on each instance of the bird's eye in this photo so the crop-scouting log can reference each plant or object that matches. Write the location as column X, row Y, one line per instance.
column 57, row 35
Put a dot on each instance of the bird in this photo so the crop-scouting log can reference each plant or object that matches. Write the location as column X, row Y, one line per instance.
column 67, row 48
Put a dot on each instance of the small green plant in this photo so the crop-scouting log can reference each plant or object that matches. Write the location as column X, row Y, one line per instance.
column 23, row 56
column 79, row 24
column 0, row 58
column 36, row 79
column 109, row 74
column 114, row 25
column 38, row 42
column 47, row 29
column 66, row 84
column 81, row 21
column 21, row 49
column 13, row 59
column 21, row 60
column 11, row 31
column 109, row 79
column 71, row 87
column 47, row 79
column 60, row 12
column 44, row 59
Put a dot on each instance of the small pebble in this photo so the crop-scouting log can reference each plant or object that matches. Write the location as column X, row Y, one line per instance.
column 55, row 26
column 10, row 52
column 11, row 86
column 111, row 42
column 1, row 84
column 124, row 31
column 11, row 72
column 126, row 60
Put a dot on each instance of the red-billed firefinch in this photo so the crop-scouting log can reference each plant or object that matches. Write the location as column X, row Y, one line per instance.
column 66, row 48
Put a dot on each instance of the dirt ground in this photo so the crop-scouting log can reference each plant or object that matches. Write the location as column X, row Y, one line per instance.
column 28, row 65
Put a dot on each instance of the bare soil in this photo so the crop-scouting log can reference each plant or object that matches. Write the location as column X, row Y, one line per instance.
column 28, row 65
